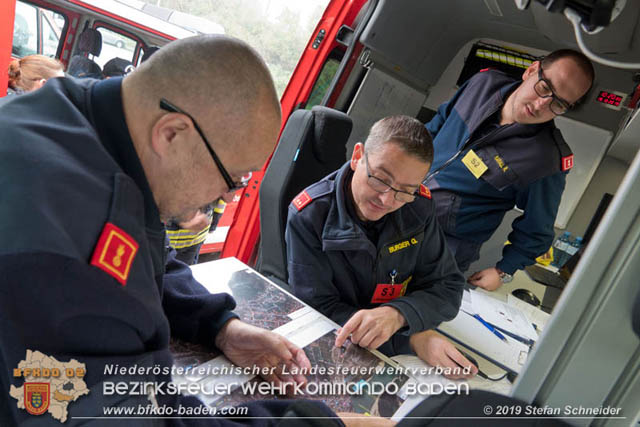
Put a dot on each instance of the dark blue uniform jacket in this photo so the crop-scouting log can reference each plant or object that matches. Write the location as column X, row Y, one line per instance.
column 525, row 170
column 335, row 268
column 67, row 167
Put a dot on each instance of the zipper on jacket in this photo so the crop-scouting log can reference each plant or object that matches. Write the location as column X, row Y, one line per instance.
column 465, row 147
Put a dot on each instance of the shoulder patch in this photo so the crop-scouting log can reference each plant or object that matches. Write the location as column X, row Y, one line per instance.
column 566, row 155
column 424, row 191
column 567, row 163
column 301, row 200
column 114, row 252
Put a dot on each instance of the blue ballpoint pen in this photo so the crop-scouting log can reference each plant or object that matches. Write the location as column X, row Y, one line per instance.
column 491, row 328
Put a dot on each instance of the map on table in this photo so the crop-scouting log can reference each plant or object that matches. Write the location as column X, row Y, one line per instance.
column 323, row 353
column 262, row 303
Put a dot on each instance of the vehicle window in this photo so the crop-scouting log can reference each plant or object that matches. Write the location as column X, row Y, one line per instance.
column 278, row 29
column 114, row 45
column 25, row 30
column 329, row 70
column 52, row 26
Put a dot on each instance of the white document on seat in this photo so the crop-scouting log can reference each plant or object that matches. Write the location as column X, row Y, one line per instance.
column 466, row 330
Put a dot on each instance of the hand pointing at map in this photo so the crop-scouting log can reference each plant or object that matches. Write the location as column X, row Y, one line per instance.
column 247, row 346
column 371, row 328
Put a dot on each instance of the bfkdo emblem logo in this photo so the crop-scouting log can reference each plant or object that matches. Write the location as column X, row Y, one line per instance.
column 36, row 397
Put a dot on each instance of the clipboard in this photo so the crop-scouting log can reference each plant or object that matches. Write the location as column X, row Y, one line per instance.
column 465, row 330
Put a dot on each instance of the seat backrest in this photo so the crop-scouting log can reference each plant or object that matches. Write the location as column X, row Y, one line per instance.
column 312, row 145
column 89, row 42
column 82, row 67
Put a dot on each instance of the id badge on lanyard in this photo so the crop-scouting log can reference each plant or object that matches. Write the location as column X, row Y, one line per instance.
column 386, row 292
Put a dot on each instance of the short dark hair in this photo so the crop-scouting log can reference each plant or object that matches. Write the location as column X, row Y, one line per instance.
column 408, row 132
column 579, row 58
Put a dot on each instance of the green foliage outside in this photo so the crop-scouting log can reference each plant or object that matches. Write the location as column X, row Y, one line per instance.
column 280, row 39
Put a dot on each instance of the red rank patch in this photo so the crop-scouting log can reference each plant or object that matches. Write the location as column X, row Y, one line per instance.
column 114, row 252
column 567, row 163
column 302, row 200
column 424, row 191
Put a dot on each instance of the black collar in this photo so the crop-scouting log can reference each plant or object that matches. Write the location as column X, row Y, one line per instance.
column 110, row 123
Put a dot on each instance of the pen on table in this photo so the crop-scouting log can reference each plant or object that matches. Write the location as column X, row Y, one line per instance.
column 491, row 328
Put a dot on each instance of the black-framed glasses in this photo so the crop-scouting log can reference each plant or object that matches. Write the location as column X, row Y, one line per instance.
column 381, row 186
column 544, row 89
column 231, row 184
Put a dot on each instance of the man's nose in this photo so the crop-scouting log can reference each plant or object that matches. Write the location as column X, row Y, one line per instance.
column 388, row 198
column 543, row 103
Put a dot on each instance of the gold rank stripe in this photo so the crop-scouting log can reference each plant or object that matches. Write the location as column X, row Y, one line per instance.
column 182, row 239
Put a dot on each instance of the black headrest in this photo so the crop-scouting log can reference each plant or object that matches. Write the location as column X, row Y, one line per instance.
column 329, row 126
column 90, row 41
column 116, row 67
column 148, row 51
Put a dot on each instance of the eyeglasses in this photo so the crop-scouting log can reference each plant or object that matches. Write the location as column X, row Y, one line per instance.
column 231, row 184
column 543, row 89
column 382, row 187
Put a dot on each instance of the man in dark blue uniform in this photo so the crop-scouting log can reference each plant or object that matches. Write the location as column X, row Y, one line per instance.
column 495, row 148
column 364, row 248
column 89, row 169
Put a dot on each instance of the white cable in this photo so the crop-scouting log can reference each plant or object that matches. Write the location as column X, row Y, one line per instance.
column 575, row 19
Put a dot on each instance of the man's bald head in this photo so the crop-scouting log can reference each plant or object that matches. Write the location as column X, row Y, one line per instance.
column 207, row 74
column 221, row 84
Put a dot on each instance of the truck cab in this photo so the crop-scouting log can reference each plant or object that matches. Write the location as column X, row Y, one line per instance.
column 374, row 58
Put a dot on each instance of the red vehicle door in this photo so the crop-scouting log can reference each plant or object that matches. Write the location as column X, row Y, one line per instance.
column 7, row 16
column 244, row 231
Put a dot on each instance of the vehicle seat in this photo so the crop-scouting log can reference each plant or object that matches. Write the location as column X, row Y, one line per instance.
column 89, row 43
column 312, row 145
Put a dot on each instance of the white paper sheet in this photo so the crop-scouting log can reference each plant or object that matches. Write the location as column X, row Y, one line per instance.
column 503, row 316
column 535, row 315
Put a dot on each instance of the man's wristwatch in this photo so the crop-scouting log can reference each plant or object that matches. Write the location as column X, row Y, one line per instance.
column 504, row 277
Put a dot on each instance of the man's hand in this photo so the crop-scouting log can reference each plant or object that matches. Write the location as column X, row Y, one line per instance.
column 198, row 222
column 247, row 346
column 487, row 279
column 352, row 419
column 436, row 350
column 371, row 328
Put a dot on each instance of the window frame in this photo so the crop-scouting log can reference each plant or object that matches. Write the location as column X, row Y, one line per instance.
column 140, row 44
column 40, row 16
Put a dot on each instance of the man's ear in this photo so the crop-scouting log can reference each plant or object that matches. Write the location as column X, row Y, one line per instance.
column 531, row 70
column 358, row 152
column 168, row 130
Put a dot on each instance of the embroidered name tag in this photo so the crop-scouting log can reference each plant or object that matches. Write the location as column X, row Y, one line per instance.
column 114, row 252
